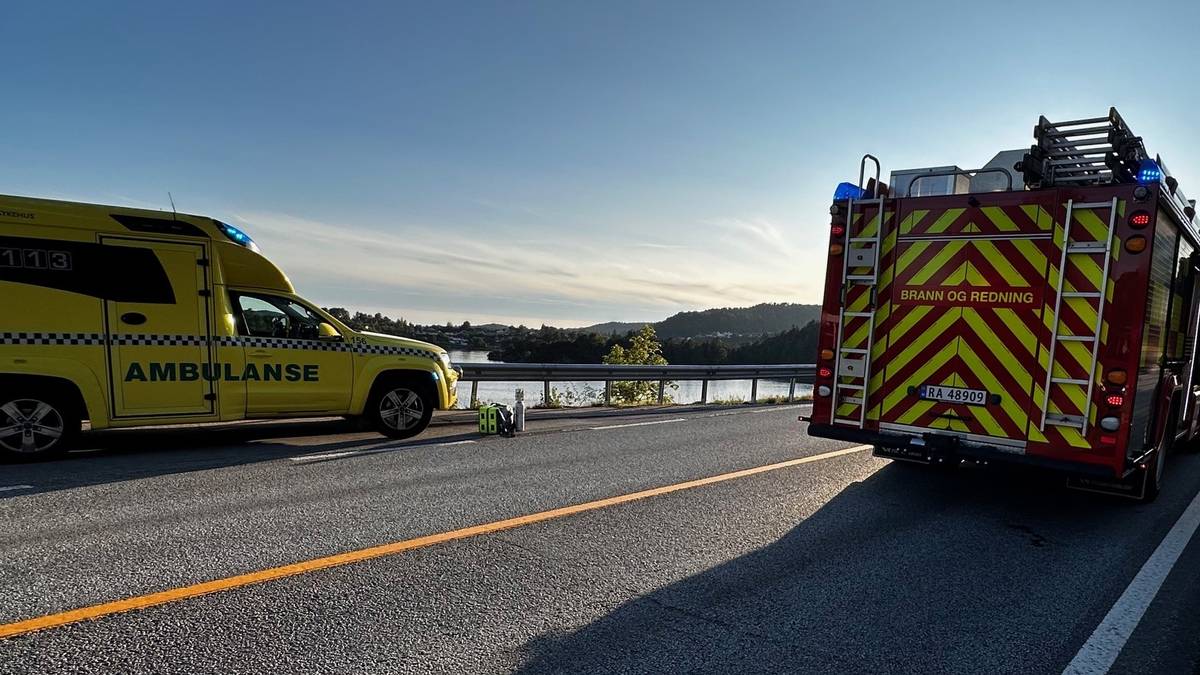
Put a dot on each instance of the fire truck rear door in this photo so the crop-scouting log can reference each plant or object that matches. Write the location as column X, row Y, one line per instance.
column 966, row 324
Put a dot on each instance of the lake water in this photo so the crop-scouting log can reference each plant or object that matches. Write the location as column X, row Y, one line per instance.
column 586, row 393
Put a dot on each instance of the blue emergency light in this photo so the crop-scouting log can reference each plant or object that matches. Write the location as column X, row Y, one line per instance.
column 1149, row 172
column 846, row 191
column 237, row 236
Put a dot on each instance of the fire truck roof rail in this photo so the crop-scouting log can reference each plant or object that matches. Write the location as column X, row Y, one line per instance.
column 862, row 169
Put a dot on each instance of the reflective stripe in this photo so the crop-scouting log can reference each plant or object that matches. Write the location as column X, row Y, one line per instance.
column 162, row 340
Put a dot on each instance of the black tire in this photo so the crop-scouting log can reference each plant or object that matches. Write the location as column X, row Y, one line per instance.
column 400, row 407
column 36, row 424
column 1157, row 468
column 1154, row 476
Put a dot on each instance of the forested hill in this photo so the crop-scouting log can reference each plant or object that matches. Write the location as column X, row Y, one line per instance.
column 558, row 345
column 767, row 318
column 615, row 327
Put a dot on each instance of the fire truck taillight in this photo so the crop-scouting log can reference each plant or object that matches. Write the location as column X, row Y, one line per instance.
column 1135, row 244
column 838, row 230
column 826, row 354
column 836, row 249
column 1139, row 219
column 1116, row 400
column 824, row 371
column 1115, row 377
column 823, row 391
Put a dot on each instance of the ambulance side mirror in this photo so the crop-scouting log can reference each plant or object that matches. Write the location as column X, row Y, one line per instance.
column 329, row 333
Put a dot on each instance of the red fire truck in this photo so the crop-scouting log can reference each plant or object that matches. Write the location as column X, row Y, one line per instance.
column 1042, row 310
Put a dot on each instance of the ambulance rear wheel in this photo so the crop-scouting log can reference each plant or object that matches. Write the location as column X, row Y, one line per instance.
column 400, row 408
column 35, row 426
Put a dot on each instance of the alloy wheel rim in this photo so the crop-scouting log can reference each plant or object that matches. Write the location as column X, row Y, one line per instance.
column 30, row 426
column 401, row 409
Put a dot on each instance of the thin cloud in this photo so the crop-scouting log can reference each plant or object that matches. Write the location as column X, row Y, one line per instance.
column 571, row 276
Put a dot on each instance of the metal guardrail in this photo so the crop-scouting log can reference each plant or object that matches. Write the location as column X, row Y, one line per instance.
column 546, row 373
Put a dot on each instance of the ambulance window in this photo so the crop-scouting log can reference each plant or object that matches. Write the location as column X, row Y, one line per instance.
column 306, row 324
column 272, row 316
column 261, row 318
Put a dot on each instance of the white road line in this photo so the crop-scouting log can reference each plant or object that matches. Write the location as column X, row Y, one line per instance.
column 336, row 455
column 372, row 451
column 1101, row 649
column 637, row 424
column 13, row 488
column 375, row 451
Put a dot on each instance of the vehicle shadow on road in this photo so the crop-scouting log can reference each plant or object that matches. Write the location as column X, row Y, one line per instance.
column 911, row 570
column 129, row 454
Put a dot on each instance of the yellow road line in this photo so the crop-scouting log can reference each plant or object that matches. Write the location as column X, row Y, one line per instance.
column 273, row 573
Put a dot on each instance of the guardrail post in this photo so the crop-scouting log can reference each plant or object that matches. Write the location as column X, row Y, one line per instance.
column 703, row 391
column 546, row 393
column 754, row 390
column 792, row 390
column 608, row 392
column 662, row 385
column 474, row 392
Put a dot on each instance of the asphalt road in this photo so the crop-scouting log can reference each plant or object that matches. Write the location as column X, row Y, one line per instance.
column 845, row 563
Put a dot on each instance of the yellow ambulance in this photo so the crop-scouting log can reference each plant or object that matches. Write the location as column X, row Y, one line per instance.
column 128, row 317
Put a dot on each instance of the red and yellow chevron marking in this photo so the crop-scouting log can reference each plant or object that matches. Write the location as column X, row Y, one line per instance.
column 1077, row 316
column 986, row 221
column 963, row 343
column 965, row 298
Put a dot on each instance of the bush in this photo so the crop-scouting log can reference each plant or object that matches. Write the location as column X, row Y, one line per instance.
column 569, row 398
column 644, row 350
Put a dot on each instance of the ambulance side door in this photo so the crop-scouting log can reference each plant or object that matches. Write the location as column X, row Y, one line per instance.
column 290, row 367
column 158, row 330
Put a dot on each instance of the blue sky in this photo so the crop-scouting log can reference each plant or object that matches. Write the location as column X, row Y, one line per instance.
column 558, row 162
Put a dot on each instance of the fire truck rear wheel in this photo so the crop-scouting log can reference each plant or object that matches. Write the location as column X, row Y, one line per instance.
column 1154, row 478
column 1158, row 466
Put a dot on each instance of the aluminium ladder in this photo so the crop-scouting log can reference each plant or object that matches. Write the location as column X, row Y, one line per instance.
column 858, row 364
column 1092, row 151
column 1093, row 341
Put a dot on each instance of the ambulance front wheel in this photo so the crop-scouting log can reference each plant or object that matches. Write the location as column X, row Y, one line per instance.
column 400, row 408
column 35, row 425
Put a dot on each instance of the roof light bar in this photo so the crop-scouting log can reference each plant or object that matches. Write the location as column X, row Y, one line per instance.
column 236, row 235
